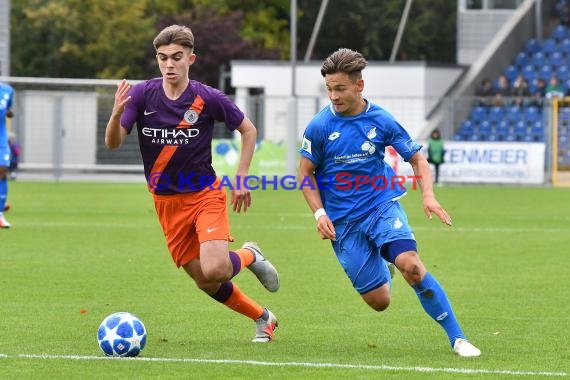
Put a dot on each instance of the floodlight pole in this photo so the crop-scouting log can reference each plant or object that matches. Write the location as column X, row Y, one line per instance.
column 316, row 30
column 401, row 28
column 291, row 167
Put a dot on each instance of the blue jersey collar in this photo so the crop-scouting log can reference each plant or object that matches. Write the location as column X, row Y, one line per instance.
column 366, row 109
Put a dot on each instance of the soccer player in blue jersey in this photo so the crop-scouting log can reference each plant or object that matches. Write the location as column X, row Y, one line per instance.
column 354, row 194
column 6, row 99
column 175, row 119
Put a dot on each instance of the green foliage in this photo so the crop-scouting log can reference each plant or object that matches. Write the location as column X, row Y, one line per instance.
column 370, row 26
column 427, row 38
column 113, row 38
column 77, row 38
column 217, row 41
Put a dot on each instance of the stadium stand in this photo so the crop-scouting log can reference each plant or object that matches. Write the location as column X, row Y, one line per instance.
column 524, row 122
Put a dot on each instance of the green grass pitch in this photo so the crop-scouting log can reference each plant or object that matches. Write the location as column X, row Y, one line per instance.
column 80, row 251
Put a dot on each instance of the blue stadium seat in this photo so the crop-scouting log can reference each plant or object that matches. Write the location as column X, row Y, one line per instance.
column 521, row 59
column 549, row 46
column 520, row 130
column 564, row 114
column 532, row 114
column 566, row 84
column 563, row 73
column 484, row 128
column 479, row 114
column 538, row 59
column 466, row 128
column 545, row 72
column 556, row 59
column 538, row 125
column 532, row 87
column 537, row 131
column 511, row 72
column 458, row 137
column 510, row 137
column 502, row 129
column 514, row 114
column 529, row 73
column 493, row 137
column 565, row 46
column 474, row 137
column 496, row 114
column 560, row 32
column 532, row 46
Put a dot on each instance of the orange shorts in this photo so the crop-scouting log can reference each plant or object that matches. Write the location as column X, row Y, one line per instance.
column 192, row 218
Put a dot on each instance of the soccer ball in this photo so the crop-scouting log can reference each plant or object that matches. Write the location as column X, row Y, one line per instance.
column 121, row 334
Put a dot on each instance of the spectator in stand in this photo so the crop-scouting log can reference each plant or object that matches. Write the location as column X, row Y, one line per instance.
column 502, row 91
column 520, row 91
column 485, row 92
column 538, row 93
column 554, row 89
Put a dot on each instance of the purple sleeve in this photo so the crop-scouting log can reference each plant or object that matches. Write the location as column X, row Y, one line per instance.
column 133, row 107
column 224, row 109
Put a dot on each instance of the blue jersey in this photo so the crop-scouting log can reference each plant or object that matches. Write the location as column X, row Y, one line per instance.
column 6, row 98
column 348, row 152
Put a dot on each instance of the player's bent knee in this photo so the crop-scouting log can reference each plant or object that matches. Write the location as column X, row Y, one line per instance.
column 413, row 273
column 378, row 299
column 411, row 267
column 217, row 274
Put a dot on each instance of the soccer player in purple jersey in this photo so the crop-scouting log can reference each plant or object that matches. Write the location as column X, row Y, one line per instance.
column 365, row 223
column 175, row 121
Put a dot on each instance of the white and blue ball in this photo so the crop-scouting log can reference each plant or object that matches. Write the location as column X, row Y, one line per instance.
column 121, row 334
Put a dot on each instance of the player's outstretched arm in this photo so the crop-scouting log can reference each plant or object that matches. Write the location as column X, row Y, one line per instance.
column 422, row 171
column 325, row 227
column 114, row 134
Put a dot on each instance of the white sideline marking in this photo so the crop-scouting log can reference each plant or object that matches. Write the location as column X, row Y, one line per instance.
column 294, row 227
column 299, row 364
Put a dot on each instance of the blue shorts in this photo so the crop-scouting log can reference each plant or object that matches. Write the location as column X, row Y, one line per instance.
column 362, row 247
column 5, row 156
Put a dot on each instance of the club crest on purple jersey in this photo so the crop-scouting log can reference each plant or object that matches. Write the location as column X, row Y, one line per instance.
column 191, row 116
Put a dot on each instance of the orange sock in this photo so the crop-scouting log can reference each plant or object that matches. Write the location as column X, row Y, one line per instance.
column 242, row 304
column 246, row 257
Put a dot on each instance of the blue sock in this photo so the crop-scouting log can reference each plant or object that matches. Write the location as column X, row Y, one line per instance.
column 3, row 193
column 436, row 304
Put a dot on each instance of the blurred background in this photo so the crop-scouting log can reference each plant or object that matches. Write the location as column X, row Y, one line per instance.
column 452, row 65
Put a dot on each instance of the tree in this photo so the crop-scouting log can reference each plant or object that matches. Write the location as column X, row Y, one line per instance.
column 113, row 38
column 79, row 38
column 370, row 26
column 218, row 41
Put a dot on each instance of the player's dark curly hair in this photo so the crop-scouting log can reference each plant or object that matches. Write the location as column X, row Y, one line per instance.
column 345, row 61
column 175, row 34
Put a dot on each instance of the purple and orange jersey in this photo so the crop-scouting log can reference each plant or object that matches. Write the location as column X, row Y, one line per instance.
column 175, row 136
